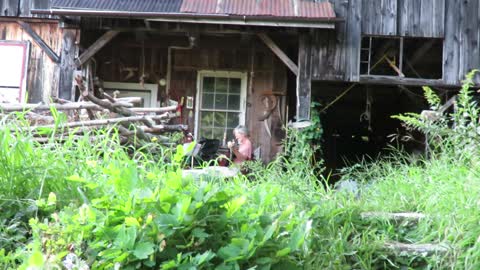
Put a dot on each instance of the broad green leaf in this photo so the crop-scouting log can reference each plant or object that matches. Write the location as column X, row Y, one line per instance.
column 290, row 208
column 283, row 252
column 298, row 237
column 126, row 238
column 143, row 250
column 131, row 221
column 122, row 257
column 52, row 199
column 228, row 252
column 204, row 257
column 270, row 230
column 200, row 233
column 234, row 205
column 264, row 260
column 36, row 260
column 169, row 265
column 76, row 178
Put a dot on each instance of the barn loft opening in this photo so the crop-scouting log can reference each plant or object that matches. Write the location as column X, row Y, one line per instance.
column 359, row 126
column 402, row 57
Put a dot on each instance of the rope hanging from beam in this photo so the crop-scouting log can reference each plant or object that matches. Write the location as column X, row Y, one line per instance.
column 351, row 86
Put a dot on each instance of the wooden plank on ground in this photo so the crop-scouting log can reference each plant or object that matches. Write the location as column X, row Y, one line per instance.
column 415, row 249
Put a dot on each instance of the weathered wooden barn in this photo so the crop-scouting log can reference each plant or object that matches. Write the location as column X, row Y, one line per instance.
column 253, row 62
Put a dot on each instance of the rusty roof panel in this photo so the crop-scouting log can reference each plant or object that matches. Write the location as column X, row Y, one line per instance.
column 270, row 8
column 199, row 6
column 261, row 8
column 163, row 6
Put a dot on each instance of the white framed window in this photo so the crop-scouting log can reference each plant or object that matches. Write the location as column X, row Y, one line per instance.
column 148, row 92
column 220, row 104
column 13, row 70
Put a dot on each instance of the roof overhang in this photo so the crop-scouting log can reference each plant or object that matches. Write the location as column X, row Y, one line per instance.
column 295, row 22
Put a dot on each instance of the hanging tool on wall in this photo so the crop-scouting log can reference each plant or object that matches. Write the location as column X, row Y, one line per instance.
column 367, row 115
column 269, row 102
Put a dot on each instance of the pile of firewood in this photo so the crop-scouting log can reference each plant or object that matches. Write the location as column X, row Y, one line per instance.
column 134, row 124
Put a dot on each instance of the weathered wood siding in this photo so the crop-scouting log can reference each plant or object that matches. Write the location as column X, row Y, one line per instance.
column 216, row 53
column 461, row 46
column 421, row 18
column 269, row 74
column 336, row 54
column 379, row 17
column 21, row 8
column 42, row 77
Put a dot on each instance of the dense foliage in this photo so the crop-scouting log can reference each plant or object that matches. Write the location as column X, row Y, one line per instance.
column 93, row 204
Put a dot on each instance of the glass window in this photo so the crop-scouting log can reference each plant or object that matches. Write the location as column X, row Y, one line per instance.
column 220, row 109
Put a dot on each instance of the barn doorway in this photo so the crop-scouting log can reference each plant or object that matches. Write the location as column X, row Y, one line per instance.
column 359, row 125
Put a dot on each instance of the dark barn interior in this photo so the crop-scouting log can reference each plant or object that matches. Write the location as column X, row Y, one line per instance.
column 359, row 125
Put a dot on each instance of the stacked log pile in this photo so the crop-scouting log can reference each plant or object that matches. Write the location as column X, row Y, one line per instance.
column 134, row 124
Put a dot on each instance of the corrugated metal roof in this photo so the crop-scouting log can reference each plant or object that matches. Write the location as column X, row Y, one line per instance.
column 270, row 8
column 262, row 8
column 163, row 6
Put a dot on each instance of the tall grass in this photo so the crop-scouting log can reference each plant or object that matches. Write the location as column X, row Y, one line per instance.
column 98, row 203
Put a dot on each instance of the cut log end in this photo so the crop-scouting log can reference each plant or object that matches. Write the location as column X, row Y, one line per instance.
column 397, row 217
column 416, row 249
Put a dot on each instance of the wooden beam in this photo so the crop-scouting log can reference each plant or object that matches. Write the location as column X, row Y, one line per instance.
column 67, row 64
column 95, row 47
column 394, row 80
column 392, row 65
column 278, row 52
column 448, row 104
column 111, row 121
column 39, row 41
column 304, row 79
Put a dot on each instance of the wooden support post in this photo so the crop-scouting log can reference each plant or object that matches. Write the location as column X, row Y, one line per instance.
column 394, row 67
column 96, row 46
column 39, row 41
column 67, row 64
column 278, row 52
column 304, row 79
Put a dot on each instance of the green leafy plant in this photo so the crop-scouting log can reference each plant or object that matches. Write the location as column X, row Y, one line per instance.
column 458, row 131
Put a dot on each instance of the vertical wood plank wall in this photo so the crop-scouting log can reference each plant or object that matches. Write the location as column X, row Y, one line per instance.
column 221, row 53
column 42, row 78
column 336, row 53
column 421, row 18
column 21, row 8
column 379, row 17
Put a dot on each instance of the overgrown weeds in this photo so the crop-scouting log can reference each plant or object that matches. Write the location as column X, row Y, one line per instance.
column 100, row 205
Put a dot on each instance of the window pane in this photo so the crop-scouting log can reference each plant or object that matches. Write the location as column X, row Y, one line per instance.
column 209, row 84
column 232, row 120
column 234, row 102
column 220, row 120
column 206, row 119
column 220, row 101
column 218, row 133
column 205, row 133
column 235, row 85
column 221, row 85
column 207, row 101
